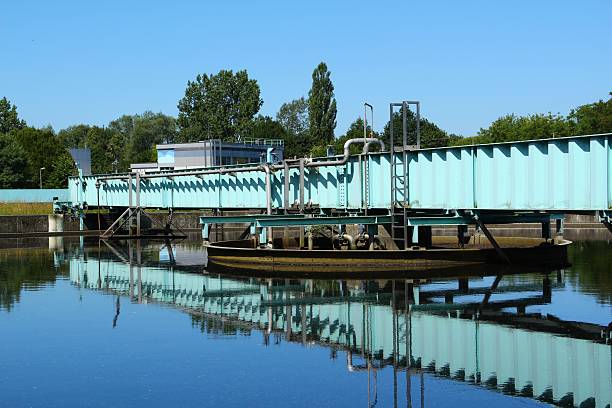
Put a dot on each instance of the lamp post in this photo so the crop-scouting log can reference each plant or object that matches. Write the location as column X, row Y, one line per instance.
column 40, row 176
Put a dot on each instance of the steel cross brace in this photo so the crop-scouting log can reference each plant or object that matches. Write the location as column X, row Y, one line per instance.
column 606, row 219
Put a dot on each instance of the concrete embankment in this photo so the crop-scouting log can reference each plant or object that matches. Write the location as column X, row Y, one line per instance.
column 37, row 225
column 577, row 227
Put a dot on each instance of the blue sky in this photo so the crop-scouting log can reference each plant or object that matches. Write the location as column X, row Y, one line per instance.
column 468, row 62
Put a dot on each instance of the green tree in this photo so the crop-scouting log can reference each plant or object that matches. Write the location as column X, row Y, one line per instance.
column 293, row 117
column 74, row 136
column 431, row 134
column 14, row 169
column 135, row 137
column 321, row 107
column 219, row 106
column 104, row 153
column 43, row 149
column 355, row 131
column 264, row 127
column 61, row 168
column 9, row 120
column 513, row 128
column 592, row 118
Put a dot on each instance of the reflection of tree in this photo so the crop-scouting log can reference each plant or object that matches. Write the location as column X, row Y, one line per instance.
column 24, row 269
column 591, row 269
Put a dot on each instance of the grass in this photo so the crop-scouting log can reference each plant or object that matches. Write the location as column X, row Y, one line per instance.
column 26, row 208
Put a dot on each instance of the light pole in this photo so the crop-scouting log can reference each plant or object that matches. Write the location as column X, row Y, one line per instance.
column 40, row 176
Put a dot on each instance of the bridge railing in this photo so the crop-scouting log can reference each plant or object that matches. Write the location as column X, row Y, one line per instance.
column 564, row 174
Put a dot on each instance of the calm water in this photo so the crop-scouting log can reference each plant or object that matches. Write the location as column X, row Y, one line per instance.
column 81, row 326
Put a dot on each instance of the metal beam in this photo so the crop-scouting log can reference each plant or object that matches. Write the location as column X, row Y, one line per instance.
column 492, row 240
column 363, row 219
column 242, row 219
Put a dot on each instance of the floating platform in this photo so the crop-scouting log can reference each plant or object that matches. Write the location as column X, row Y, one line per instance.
column 243, row 256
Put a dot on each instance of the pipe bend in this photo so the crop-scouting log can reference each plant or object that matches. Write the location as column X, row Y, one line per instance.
column 366, row 147
column 346, row 152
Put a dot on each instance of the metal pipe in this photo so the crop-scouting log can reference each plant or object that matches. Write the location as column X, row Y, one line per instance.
column 366, row 147
column 224, row 170
column 418, row 124
column 346, row 153
column 138, row 204
column 348, row 238
column 301, row 165
column 266, row 168
column 404, row 124
column 286, row 189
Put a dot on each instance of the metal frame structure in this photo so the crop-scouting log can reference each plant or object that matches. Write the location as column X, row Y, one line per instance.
column 524, row 181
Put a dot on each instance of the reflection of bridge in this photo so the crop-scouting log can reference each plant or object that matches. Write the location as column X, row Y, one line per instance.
column 461, row 342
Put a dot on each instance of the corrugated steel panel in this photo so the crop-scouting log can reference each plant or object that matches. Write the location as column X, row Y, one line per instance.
column 554, row 174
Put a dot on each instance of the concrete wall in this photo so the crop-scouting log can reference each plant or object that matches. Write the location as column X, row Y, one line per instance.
column 24, row 224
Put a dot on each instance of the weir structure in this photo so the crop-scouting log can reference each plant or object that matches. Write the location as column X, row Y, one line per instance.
column 403, row 187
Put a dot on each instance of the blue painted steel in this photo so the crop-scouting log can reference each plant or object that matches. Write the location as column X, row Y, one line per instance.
column 44, row 195
column 292, row 222
column 565, row 174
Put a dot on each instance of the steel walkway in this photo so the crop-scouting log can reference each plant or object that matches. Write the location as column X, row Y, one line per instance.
column 566, row 174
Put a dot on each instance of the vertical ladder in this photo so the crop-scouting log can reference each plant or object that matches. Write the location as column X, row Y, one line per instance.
column 399, row 174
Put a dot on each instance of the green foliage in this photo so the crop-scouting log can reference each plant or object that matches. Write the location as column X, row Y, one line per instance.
column 264, row 127
column 128, row 139
column 135, row 137
column 74, row 136
column 431, row 134
column 9, row 120
column 293, row 116
column 61, row 168
column 321, row 107
column 593, row 118
column 586, row 119
column 43, row 149
column 355, row 131
column 219, row 106
column 13, row 163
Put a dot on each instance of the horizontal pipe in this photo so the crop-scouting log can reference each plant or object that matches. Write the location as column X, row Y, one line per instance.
column 347, row 152
column 258, row 167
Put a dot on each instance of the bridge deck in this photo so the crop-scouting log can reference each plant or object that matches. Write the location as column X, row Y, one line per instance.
column 564, row 174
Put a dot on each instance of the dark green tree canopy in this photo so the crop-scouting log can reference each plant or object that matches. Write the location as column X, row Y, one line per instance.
column 219, row 106
column 14, row 169
column 321, row 107
column 592, row 118
column 293, row 116
column 43, row 149
column 264, row 127
column 431, row 134
column 9, row 120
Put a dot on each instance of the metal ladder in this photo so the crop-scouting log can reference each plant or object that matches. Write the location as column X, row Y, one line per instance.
column 399, row 174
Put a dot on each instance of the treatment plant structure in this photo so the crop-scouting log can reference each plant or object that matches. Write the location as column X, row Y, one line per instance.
column 403, row 188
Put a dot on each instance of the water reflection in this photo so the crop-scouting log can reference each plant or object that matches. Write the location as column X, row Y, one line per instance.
column 487, row 332
column 464, row 330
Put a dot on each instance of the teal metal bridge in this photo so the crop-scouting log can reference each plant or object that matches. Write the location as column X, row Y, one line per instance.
column 528, row 181
column 566, row 175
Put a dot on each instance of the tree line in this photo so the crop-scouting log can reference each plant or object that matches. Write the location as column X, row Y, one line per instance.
column 226, row 106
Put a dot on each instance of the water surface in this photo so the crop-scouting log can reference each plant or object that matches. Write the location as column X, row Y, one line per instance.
column 84, row 324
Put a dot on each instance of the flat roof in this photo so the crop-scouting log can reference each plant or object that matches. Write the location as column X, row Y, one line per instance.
column 206, row 144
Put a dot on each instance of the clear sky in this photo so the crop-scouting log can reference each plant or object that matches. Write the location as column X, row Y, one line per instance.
column 468, row 62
